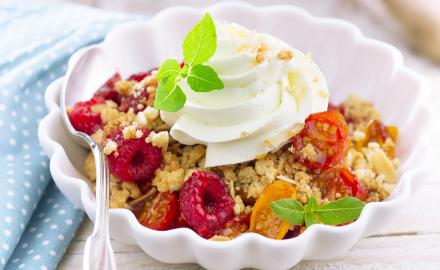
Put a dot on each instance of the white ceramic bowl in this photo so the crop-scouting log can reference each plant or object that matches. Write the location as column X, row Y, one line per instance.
column 351, row 63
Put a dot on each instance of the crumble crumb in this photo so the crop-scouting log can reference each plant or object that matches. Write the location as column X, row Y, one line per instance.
column 159, row 139
column 267, row 143
column 239, row 206
column 178, row 164
column 124, row 87
column 360, row 112
column 141, row 120
column 99, row 137
column 244, row 134
column 261, row 53
column 151, row 113
column 89, row 167
column 110, row 147
column 242, row 48
column 358, row 136
column 113, row 119
column 285, row 55
column 220, row 238
column 309, row 153
column 138, row 134
column 323, row 93
column 130, row 132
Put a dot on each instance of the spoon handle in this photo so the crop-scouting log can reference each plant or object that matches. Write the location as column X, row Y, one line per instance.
column 98, row 253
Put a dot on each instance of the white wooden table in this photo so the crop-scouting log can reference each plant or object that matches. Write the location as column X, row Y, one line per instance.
column 413, row 240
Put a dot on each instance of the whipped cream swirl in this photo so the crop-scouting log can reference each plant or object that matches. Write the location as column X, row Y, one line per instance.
column 270, row 88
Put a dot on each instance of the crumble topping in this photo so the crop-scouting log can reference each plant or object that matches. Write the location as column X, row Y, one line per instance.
column 178, row 164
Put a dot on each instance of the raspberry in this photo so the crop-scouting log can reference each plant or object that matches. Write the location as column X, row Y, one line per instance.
column 136, row 102
column 83, row 118
column 108, row 91
column 134, row 159
column 293, row 233
column 138, row 76
column 205, row 203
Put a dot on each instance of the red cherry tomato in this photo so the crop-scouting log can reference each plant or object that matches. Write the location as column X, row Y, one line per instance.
column 376, row 132
column 327, row 132
column 341, row 181
column 160, row 213
column 236, row 226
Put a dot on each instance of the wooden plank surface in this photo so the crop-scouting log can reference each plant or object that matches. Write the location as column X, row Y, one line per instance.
column 413, row 239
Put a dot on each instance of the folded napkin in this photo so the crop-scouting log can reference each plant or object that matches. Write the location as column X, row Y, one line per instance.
column 36, row 221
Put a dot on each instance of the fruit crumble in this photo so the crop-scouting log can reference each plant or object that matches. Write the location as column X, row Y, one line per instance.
column 171, row 171
column 147, row 164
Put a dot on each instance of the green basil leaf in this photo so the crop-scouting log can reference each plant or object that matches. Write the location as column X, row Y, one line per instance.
column 169, row 69
column 201, row 42
column 169, row 96
column 340, row 211
column 204, row 79
column 312, row 204
column 290, row 210
column 310, row 218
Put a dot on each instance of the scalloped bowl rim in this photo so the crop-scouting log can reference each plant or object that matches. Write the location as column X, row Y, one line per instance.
column 358, row 228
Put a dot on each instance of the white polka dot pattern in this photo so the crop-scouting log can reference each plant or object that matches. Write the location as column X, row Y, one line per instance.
column 36, row 221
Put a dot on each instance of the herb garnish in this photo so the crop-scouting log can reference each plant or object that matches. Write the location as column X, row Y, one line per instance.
column 333, row 213
column 199, row 46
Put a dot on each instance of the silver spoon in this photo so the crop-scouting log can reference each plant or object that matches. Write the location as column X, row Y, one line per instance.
column 91, row 70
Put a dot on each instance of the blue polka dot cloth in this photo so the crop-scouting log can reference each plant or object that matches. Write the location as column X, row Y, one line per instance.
column 36, row 221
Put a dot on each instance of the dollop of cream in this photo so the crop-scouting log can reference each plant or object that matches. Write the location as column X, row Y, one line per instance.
column 270, row 88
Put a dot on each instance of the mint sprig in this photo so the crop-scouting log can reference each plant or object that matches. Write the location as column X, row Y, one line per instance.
column 169, row 69
column 332, row 213
column 203, row 79
column 199, row 46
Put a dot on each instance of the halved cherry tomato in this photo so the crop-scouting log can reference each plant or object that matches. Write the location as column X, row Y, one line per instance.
column 341, row 181
column 327, row 132
column 376, row 132
column 160, row 213
column 236, row 226
column 263, row 219
column 393, row 132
